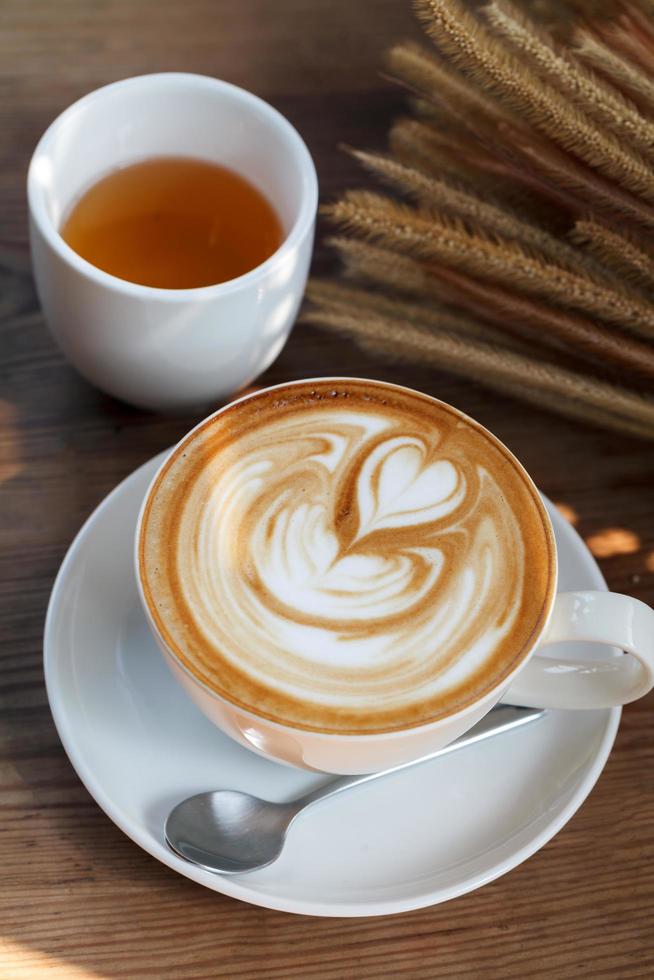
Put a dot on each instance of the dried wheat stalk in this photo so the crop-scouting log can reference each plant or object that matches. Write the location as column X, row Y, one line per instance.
column 502, row 315
column 529, row 238
column 405, row 275
column 350, row 311
column 468, row 206
column 515, row 155
column 618, row 252
column 482, row 57
column 593, row 96
column 622, row 74
column 422, row 72
column 436, row 152
column 432, row 237
column 630, row 33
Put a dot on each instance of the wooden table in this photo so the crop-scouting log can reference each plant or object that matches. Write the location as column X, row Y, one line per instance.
column 78, row 899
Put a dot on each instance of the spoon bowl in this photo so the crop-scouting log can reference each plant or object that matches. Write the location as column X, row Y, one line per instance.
column 232, row 831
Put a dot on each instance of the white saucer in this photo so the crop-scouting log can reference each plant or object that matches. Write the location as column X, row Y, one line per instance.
column 420, row 837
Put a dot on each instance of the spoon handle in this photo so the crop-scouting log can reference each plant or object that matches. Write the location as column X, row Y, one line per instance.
column 500, row 719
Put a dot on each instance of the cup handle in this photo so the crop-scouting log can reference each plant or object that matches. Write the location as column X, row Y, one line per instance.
column 598, row 617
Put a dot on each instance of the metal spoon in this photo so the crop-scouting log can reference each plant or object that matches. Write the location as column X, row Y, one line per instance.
column 229, row 832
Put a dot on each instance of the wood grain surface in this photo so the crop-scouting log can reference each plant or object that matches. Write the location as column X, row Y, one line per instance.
column 77, row 898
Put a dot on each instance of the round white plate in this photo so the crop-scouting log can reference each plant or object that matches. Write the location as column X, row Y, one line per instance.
column 420, row 837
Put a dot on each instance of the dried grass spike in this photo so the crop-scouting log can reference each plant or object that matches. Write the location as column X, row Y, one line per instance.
column 617, row 252
column 460, row 203
column 493, row 366
column 622, row 74
column 409, row 277
column 582, row 86
column 427, row 237
column 445, row 87
column 483, row 58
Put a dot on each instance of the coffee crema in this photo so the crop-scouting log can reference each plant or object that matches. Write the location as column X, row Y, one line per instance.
column 348, row 557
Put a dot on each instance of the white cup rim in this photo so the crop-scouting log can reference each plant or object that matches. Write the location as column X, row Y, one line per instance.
column 36, row 194
column 489, row 697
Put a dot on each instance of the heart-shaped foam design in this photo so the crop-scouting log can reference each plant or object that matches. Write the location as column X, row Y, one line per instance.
column 396, row 488
column 346, row 557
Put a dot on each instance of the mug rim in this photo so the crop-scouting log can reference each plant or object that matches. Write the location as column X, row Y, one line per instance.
column 302, row 224
column 490, row 697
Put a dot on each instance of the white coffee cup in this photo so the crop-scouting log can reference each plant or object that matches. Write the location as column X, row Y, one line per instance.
column 170, row 348
column 539, row 681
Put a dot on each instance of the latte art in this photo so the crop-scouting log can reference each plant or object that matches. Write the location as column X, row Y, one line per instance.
column 349, row 558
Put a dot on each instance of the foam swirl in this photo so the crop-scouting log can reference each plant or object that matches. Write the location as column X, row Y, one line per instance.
column 346, row 561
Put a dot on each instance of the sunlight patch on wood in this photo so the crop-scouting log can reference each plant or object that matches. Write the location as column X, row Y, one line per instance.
column 612, row 541
column 10, row 448
column 23, row 963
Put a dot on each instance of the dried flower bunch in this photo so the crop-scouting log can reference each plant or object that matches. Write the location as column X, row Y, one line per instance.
column 518, row 248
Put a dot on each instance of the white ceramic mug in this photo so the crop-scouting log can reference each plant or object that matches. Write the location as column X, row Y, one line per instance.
column 170, row 348
column 597, row 617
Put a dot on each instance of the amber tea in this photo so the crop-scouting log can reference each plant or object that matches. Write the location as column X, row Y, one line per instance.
column 174, row 223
